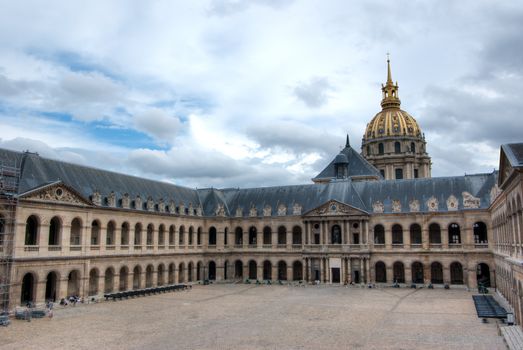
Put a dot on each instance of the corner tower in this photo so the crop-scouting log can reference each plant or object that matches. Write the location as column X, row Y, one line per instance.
column 393, row 141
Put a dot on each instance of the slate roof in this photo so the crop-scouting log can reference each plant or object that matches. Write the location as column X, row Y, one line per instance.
column 514, row 153
column 38, row 171
column 358, row 166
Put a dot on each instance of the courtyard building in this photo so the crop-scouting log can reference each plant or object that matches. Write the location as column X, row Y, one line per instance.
column 374, row 217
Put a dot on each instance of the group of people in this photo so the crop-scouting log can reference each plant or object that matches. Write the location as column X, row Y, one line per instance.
column 73, row 299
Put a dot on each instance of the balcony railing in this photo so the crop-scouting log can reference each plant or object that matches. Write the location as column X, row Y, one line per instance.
column 454, row 245
column 124, row 247
column 110, row 247
column 75, row 248
column 95, row 247
column 31, row 248
column 54, row 248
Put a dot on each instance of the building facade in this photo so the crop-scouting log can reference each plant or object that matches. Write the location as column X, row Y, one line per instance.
column 68, row 229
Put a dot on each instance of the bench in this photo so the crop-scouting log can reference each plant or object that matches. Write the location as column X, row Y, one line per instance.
column 513, row 336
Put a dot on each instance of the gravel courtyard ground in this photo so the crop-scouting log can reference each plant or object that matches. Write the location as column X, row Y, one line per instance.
column 265, row 317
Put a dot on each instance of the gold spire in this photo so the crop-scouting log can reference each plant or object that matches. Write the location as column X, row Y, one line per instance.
column 390, row 91
column 389, row 76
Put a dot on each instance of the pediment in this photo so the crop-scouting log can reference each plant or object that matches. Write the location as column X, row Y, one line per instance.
column 56, row 192
column 335, row 208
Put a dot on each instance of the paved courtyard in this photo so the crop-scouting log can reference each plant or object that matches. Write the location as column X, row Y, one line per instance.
column 265, row 317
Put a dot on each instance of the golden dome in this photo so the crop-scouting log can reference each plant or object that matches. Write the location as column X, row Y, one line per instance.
column 391, row 121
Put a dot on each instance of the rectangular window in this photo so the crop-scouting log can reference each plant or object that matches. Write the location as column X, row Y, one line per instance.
column 382, row 172
column 416, row 175
column 399, row 174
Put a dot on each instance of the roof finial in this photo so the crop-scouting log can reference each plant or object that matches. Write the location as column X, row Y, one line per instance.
column 389, row 76
column 347, row 143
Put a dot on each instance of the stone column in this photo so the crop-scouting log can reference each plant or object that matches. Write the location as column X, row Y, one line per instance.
column 101, row 284
column 40, row 292
column 446, row 274
column 349, row 270
column 345, row 235
column 406, row 238
column 43, row 235
column 259, row 238
column 65, row 237
column 327, row 270
column 274, row 236
column 117, row 237
column 445, row 239
column 62, row 287
column 408, row 274
column 290, row 275
column 425, row 236
column 362, row 270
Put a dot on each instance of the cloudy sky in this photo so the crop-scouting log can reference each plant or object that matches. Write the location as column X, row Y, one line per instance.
column 254, row 93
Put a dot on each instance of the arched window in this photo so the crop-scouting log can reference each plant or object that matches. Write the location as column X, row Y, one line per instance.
column 413, row 147
column 381, row 272
column 282, row 271
column 93, row 281
column 368, row 150
column 397, row 234
column 31, row 231
column 171, row 234
column 124, row 238
column 238, row 269
column 456, row 273
column 252, row 235
column 397, row 147
column 267, row 270
column 297, row 271
column 480, row 233
column 282, row 235
column 212, row 271
column 137, row 277
column 2, row 230
column 415, row 234
column 434, row 234
column 191, row 232
column 149, row 237
column 109, row 280
column 160, row 274
column 379, row 234
column 381, row 149
column 436, row 273
column 109, row 238
column 454, row 234
column 336, row 234
column 161, row 235
column 238, row 236
column 212, row 235
column 267, row 235
column 138, row 234
column 181, row 237
column 417, row 272
column 296, row 235
column 199, row 236
column 28, row 288
column 76, row 232
column 95, row 232
column 399, row 272
column 55, row 228
column 252, row 270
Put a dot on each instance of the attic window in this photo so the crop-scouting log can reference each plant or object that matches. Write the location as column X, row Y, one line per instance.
column 59, row 192
column 186, row 211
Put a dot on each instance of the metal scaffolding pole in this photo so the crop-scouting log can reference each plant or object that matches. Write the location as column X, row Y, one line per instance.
column 9, row 179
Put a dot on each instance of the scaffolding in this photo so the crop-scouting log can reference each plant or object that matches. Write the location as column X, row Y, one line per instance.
column 9, row 179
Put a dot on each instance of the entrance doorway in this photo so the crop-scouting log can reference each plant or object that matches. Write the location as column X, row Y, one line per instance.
column 483, row 275
column 356, row 277
column 335, row 273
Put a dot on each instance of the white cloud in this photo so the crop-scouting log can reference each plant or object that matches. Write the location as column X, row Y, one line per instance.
column 223, row 85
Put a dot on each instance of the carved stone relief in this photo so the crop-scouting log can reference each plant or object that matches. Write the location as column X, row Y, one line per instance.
column 111, row 200
column 267, row 210
column 220, row 210
column 239, row 212
column 96, row 198
column 378, row 207
column 138, row 202
column 414, row 205
column 452, row 203
column 432, row 204
column 396, row 206
column 296, row 209
column 469, row 201
column 282, row 210
column 150, row 204
column 126, row 202
column 253, row 211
